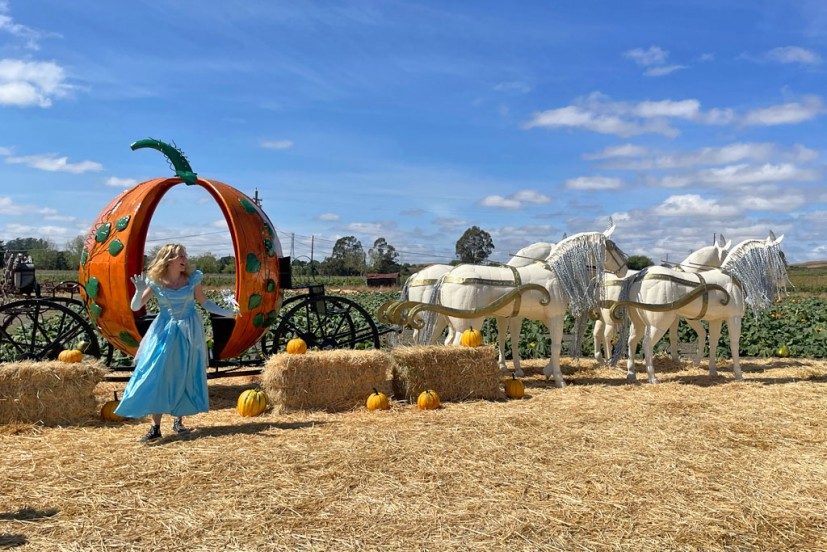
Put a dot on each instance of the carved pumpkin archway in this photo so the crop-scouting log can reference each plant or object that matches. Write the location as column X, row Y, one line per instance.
column 114, row 250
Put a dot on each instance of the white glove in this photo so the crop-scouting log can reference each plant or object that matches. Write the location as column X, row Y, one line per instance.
column 139, row 280
column 209, row 306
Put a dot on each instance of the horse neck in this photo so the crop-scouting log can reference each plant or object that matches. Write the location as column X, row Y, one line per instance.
column 578, row 264
column 702, row 259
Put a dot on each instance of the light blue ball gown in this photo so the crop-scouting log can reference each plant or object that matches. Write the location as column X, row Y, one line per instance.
column 170, row 375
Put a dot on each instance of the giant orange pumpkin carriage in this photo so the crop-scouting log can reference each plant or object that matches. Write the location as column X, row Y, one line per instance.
column 114, row 251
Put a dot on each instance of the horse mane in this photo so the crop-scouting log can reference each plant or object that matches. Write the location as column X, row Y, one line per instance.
column 760, row 269
column 577, row 262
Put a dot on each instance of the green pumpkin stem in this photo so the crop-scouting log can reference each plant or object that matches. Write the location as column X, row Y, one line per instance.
column 174, row 155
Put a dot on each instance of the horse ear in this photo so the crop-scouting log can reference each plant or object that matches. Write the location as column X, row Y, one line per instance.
column 721, row 240
column 772, row 236
column 608, row 233
column 778, row 240
column 727, row 246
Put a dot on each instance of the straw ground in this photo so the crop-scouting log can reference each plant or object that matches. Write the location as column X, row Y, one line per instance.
column 692, row 464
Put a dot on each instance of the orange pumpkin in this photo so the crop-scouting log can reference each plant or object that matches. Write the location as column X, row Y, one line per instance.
column 108, row 410
column 114, row 251
column 70, row 355
column 514, row 388
column 471, row 338
column 296, row 346
column 377, row 401
column 428, row 400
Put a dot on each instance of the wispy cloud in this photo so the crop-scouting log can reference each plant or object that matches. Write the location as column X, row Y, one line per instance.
column 327, row 217
column 789, row 113
column 276, row 144
column 693, row 205
column 30, row 36
column 516, row 200
column 594, row 183
column 31, row 83
column 49, row 162
column 9, row 207
column 116, row 182
column 653, row 59
column 794, row 54
column 513, row 87
column 739, row 175
column 613, row 152
column 598, row 113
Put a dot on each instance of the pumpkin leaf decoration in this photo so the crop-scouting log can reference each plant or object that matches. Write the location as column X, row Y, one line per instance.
column 175, row 156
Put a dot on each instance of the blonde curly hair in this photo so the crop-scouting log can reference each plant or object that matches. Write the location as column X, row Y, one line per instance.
column 158, row 266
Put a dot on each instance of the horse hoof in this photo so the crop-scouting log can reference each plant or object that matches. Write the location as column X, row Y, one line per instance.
column 631, row 378
column 519, row 373
column 654, row 381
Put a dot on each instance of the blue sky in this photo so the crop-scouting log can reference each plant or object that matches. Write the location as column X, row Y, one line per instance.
column 413, row 121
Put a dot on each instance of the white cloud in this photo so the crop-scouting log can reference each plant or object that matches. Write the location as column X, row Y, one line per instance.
column 276, row 144
column 663, row 70
column 500, row 202
column 31, row 83
column 7, row 24
column 645, row 58
column 684, row 109
column 654, row 60
column 808, row 108
column 794, row 54
column 780, row 202
column 116, row 182
column 369, row 228
column 515, row 87
column 331, row 217
column 731, row 153
column 5, row 151
column 693, row 205
column 577, row 117
column 8, row 207
column 740, row 175
column 594, row 183
column 516, row 200
column 626, row 150
column 49, row 162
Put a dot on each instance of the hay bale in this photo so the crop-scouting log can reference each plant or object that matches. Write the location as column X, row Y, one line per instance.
column 325, row 380
column 50, row 392
column 455, row 373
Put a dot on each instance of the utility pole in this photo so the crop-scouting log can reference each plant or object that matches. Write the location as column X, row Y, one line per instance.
column 256, row 199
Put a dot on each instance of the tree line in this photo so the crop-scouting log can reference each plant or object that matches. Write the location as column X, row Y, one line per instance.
column 348, row 257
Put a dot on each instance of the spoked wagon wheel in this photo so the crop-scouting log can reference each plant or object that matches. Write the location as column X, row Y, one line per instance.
column 38, row 329
column 323, row 322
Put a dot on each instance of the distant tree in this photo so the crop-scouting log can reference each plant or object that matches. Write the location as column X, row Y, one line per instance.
column 474, row 246
column 206, row 263
column 73, row 250
column 383, row 257
column 226, row 265
column 347, row 258
column 28, row 245
column 638, row 262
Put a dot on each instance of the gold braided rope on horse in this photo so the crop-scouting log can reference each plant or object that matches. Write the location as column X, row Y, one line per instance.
column 700, row 290
column 394, row 312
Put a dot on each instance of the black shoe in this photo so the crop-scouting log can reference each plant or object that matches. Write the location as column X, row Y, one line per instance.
column 153, row 433
column 178, row 427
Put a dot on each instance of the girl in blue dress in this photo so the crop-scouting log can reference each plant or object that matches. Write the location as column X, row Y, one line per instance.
column 170, row 375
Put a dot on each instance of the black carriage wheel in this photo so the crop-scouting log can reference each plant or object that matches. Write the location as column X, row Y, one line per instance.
column 323, row 322
column 39, row 329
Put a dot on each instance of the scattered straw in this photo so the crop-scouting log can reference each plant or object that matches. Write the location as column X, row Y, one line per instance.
column 695, row 463
column 325, row 380
column 49, row 393
column 455, row 373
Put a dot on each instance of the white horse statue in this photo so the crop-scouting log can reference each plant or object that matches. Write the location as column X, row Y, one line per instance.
column 419, row 287
column 539, row 291
column 705, row 258
column 754, row 273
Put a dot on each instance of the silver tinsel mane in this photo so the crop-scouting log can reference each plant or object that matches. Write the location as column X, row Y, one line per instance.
column 578, row 264
column 761, row 271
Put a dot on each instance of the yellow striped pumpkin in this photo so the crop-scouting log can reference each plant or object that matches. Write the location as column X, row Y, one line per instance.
column 252, row 402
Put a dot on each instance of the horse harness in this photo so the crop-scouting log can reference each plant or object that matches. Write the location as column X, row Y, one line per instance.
column 515, row 283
